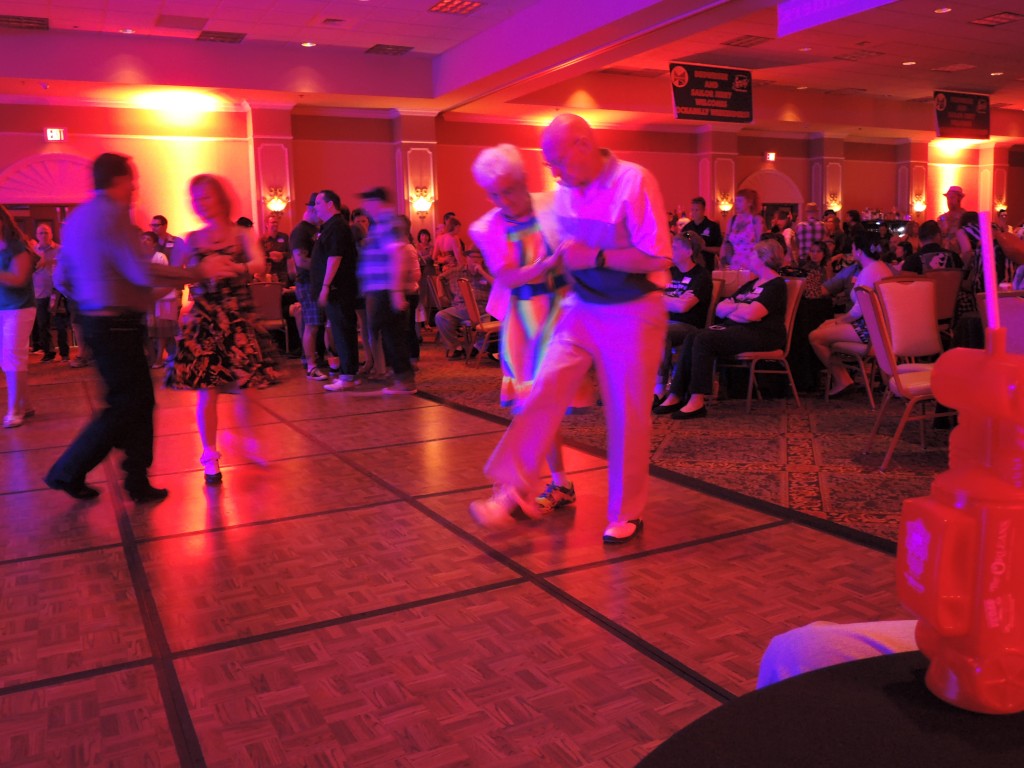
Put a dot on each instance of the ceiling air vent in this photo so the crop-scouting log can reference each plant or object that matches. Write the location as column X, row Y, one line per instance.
column 652, row 73
column 221, row 37
column 746, row 41
column 24, row 22
column 389, row 50
column 857, row 55
column 180, row 22
column 456, row 7
column 998, row 19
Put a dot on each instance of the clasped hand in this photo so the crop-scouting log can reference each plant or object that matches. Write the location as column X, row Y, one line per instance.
column 217, row 266
column 575, row 255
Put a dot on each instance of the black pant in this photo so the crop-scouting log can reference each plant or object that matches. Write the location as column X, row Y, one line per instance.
column 413, row 331
column 60, row 325
column 345, row 331
column 695, row 370
column 118, row 346
column 41, row 330
column 394, row 331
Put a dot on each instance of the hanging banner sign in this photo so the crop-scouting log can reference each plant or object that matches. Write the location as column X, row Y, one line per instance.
column 961, row 115
column 714, row 94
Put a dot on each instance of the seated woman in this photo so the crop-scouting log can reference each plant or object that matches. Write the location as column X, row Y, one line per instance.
column 850, row 326
column 753, row 319
column 687, row 298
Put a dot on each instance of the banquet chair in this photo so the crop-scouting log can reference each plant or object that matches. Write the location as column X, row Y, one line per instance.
column 266, row 299
column 476, row 326
column 1011, row 317
column 717, row 286
column 947, row 286
column 900, row 319
column 750, row 360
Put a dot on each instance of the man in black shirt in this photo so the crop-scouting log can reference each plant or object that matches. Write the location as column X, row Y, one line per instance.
column 312, row 318
column 334, row 282
column 709, row 231
column 931, row 254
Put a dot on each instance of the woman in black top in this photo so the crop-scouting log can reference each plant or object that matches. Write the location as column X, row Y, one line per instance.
column 753, row 319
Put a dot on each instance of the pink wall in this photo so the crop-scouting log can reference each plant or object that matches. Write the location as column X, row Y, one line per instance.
column 164, row 159
column 347, row 167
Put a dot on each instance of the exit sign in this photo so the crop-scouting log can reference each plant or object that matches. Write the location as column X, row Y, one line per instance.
column 55, row 134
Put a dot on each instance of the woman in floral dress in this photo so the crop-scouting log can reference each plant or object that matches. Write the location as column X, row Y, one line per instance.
column 222, row 348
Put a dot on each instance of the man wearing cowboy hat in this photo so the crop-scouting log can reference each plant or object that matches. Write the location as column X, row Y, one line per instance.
column 950, row 220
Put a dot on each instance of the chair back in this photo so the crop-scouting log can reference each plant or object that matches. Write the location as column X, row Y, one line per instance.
column 266, row 299
column 472, row 308
column 1011, row 317
column 947, row 286
column 717, row 286
column 794, row 291
column 867, row 300
column 908, row 309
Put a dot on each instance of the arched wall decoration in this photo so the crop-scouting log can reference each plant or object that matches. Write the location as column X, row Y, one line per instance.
column 47, row 178
column 725, row 183
column 273, row 167
column 903, row 195
column 833, row 186
column 773, row 186
column 817, row 182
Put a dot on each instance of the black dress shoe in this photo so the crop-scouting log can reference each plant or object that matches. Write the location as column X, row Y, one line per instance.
column 215, row 479
column 700, row 413
column 77, row 490
column 661, row 410
column 147, row 493
column 638, row 525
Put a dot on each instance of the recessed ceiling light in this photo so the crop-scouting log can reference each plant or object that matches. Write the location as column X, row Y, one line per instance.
column 804, row 50
column 998, row 74
column 942, row 10
column 801, row 87
column 127, row 31
column 909, row 63
column 308, row 44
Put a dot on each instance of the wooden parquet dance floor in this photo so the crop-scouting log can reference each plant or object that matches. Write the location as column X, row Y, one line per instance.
column 337, row 606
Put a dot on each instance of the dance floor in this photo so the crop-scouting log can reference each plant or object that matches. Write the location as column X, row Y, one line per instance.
column 337, row 606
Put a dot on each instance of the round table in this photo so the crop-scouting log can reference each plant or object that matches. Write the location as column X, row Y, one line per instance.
column 873, row 712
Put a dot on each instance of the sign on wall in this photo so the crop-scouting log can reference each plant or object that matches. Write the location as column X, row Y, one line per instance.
column 716, row 94
column 961, row 115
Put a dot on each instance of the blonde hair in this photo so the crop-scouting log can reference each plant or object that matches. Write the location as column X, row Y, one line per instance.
column 494, row 162
column 770, row 252
column 217, row 185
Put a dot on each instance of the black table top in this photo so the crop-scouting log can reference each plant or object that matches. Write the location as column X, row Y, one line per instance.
column 864, row 714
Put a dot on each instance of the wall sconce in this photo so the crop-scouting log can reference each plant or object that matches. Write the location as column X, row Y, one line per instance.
column 421, row 202
column 724, row 204
column 834, row 202
column 920, row 206
column 276, row 200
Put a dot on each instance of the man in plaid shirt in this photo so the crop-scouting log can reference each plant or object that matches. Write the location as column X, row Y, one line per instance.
column 808, row 231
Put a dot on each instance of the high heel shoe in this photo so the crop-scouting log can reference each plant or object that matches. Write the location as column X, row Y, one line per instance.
column 211, row 467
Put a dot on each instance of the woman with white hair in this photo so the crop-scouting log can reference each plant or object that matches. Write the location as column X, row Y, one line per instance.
column 517, row 239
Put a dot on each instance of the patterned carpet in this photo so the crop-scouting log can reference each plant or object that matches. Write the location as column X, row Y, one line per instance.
column 807, row 462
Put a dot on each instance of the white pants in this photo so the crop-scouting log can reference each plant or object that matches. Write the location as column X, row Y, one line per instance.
column 625, row 343
column 15, row 327
column 823, row 644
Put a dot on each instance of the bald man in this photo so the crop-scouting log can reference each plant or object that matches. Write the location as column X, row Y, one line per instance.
column 615, row 246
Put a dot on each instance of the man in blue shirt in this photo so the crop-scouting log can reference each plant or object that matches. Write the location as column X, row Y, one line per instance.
column 113, row 284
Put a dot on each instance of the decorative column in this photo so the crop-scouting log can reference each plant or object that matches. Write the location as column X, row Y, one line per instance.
column 912, row 179
column 416, row 184
column 827, row 156
column 716, row 170
column 272, row 183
